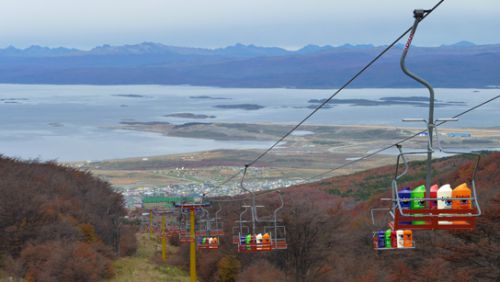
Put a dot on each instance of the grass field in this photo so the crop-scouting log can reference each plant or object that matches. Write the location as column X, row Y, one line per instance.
column 142, row 268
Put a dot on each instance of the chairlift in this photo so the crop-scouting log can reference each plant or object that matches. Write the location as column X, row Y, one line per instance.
column 171, row 226
column 184, row 219
column 209, row 231
column 390, row 239
column 259, row 235
column 436, row 212
column 425, row 208
column 426, row 212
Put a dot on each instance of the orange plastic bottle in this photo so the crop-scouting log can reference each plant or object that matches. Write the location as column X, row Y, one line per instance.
column 408, row 239
column 266, row 241
column 461, row 191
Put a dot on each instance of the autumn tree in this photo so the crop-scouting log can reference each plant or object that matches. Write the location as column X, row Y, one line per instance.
column 311, row 233
column 261, row 270
column 228, row 268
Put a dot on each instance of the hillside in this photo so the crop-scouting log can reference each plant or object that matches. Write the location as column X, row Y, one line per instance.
column 460, row 65
column 329, row 232
column 59, row 224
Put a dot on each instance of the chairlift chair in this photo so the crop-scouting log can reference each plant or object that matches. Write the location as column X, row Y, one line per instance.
column 184, row 224
column 214, row 226
column 429, row 218
column 424, row 215
column 398, row 239
column 208, row 239
column 433, row 218
column 264, row 235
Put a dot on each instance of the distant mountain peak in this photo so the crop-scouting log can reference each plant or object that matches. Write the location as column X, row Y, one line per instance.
column 244, row 50
column 349, row 45
column 131, row 49
column 38, row 51
column 461, row 44
column 313, row 48
column 248, row 46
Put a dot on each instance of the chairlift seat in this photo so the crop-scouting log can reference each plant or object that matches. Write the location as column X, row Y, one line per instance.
column 216, row 232
column 279, row 244
column 461, row 219
column 254, row 248
column 207, row 245
column 186, row 239
column 390, row 248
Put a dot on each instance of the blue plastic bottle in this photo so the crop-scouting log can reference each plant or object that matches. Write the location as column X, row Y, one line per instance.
column 242, row 241
column 404, row 198
column 381, row 239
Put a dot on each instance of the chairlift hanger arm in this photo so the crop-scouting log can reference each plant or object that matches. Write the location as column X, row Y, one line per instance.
column 372, row 212
column 241, row 218
column 243, row 180
column 419, row 15
column 218, row 211
column 280, row 207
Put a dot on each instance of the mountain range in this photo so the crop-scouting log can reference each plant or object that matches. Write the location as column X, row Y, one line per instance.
column 459, row 65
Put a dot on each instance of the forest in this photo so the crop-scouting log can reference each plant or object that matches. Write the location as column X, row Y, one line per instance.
column 59, row 223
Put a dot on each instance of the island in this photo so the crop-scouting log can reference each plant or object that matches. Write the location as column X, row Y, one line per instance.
column 416, row 101
column 205, row 97
column 247, row 107
column 189, row 115
column 129, row 95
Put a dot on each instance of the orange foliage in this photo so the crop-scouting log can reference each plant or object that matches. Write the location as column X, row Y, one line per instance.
column 57, row 222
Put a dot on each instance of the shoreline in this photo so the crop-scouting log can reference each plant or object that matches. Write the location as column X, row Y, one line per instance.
column 475, row 133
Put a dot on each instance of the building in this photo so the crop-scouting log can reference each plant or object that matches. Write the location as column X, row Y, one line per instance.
column 158, row 202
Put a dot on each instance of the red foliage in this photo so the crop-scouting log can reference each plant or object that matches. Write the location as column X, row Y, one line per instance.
column 128, row 241
column 57, row 222
column 261, row 270
column 57, row 261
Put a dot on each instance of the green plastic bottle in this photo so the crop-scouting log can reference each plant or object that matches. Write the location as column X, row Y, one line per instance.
column 388, row 238
column 248, row 241
column 416, row 203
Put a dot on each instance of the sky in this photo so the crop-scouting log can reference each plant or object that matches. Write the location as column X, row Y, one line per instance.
column 288, row 24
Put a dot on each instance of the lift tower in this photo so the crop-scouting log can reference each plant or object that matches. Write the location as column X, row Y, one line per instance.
column 192, row 208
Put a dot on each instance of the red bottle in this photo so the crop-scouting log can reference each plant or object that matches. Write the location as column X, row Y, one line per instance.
column 434, row 191
column 394, row 240
column 375, row 241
